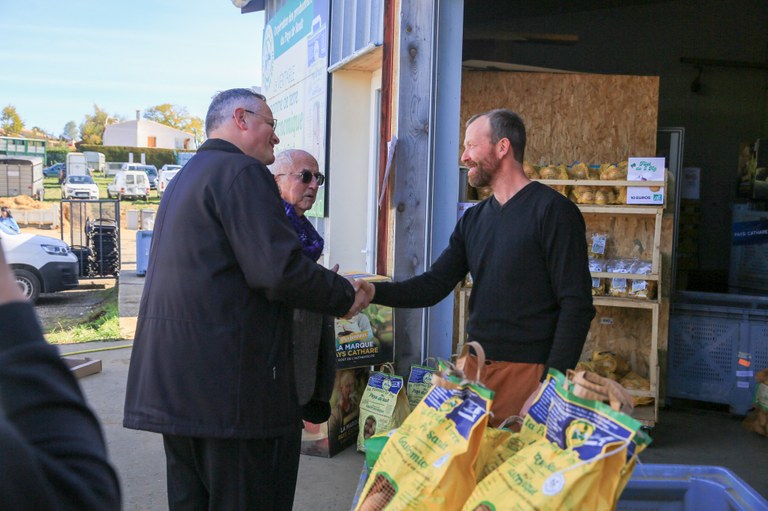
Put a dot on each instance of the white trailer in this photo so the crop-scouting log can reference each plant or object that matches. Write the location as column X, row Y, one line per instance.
column 21, row 176
column 96, row 161
column 77, row 165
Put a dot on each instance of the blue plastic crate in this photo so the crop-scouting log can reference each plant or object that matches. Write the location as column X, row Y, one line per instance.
column 688, row 488
column 716, row 345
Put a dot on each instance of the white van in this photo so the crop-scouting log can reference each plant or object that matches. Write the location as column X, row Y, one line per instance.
column 165, row 178
column 129, row 183
column 41, row 264
column 150, row 170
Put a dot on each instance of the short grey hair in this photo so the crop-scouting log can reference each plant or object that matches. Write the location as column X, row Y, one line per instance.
column 505, row 124
column 285, row 160
column 224, row 103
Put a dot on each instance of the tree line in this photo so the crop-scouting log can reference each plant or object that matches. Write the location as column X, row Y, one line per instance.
column 91, row 130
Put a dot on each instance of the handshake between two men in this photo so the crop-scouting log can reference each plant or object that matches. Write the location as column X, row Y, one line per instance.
column 364, row 293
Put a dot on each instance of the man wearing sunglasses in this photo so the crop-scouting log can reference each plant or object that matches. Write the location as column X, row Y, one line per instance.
column 298, row 179
column 212, row 362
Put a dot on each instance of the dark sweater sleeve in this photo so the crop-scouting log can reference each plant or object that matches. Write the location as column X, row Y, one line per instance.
column 564, row 241
column 52, row 452
column 433, row 285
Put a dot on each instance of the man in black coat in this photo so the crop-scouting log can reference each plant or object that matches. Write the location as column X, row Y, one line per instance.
column 212, row 362
column 52, row 451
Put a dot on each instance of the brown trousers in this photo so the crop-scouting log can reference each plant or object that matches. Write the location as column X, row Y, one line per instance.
column 512, row 382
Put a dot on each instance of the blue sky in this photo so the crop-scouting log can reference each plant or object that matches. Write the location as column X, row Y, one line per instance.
column 59, row 58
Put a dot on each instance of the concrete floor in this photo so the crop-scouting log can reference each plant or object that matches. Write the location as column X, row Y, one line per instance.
column 685, row 434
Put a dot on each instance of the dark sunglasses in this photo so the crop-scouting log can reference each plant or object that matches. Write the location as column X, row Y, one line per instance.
column 307, row 175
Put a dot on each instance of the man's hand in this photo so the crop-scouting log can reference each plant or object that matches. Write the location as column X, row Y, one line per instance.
column 9, row 289
column 368, row 288
column 364, row 292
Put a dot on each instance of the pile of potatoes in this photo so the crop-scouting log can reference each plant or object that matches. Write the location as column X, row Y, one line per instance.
column 757, row 419
column 584, row 194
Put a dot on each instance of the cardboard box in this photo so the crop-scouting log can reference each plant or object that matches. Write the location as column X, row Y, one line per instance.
column 368, row 338
column 340, row 431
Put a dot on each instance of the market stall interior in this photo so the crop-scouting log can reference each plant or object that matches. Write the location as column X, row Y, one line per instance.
column 706, row 329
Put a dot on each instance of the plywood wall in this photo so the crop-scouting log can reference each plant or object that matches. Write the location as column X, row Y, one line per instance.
column 584, row 117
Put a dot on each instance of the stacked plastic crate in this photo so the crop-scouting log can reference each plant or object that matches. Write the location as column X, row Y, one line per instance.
column 103, row 241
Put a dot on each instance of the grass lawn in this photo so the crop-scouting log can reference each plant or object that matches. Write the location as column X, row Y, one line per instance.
column 102, row 324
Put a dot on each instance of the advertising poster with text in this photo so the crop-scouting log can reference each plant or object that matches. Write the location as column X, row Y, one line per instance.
column 295, row 79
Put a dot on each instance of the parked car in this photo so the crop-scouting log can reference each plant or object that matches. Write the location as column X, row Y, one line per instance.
column 150, row 170
column 79, row 187
column 112, row 167
column 54, row 170
column 129, row 184
column 41, row 264
column 169, row 166
column 165, row 178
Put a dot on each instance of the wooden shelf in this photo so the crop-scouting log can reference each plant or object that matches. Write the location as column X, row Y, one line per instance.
column 641, row 393
column 645, row 414
column 632, row 303
column 631, row 276
column 623, row 209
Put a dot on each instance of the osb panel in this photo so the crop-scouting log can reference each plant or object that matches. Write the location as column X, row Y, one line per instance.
column 590, row 118
column 625, row 332
column 628, row 235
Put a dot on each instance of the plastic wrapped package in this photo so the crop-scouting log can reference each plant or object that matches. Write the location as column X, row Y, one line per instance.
column 597, row 245
column 641, row 289
column 598, row 284
column 618, row 286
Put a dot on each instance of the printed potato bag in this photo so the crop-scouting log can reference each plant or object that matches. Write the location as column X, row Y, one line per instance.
column 498, row 445
column 428, row 463
column 579, row 455
column 539, row 476
column 419, row 383
column 383, row 406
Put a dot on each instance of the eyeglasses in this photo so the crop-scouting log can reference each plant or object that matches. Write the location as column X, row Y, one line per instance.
column 307, row 175
column 272, row 122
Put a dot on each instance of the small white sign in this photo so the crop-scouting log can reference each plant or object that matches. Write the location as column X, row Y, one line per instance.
column 461, row 207
column 646, row 169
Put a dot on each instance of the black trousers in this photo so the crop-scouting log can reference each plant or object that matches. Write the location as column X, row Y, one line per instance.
column 208, row 474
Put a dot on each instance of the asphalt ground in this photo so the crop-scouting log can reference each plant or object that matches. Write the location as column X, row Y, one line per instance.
column 685, row 434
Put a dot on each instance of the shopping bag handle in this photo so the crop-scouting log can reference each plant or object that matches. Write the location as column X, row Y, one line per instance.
column 479, row 353
column 592, row 386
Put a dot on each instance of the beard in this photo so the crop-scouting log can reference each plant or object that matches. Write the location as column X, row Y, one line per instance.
column 481, row 173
